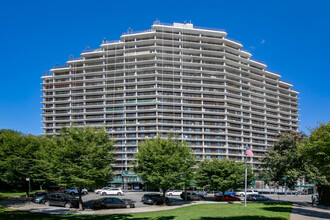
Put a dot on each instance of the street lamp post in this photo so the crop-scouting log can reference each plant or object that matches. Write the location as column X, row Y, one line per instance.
column 28, row 180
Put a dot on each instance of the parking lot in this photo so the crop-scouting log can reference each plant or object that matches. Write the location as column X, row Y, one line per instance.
column 133, row 195
column 175, row 201
column 137, row 196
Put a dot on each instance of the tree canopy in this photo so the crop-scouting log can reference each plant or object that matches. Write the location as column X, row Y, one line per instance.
column 316, row 151
column 164, row 162
column 222, row 175
column 19, row 159
column 283, row 163
column 79, row 157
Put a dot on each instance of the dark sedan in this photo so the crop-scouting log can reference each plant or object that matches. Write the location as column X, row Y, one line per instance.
column 112, row 202
column 60, row 199
column 192, row 196
column 154, row 199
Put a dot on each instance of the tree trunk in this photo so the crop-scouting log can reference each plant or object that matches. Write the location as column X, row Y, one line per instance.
column 324, row 195
column 223, row 196
column 164, row 197
column 185, row 192
column 81, row 207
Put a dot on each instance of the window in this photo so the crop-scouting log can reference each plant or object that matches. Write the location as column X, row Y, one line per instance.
column 109, row 200
column 115, row 200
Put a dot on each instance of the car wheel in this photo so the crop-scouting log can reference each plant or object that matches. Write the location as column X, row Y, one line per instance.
column 84, row 192
column 154, row 203
column 242, row 195
column 104, row 194
column 119, row 194
column 67, row 205
column 128, row 206
column 46, row 203
column 170, row 194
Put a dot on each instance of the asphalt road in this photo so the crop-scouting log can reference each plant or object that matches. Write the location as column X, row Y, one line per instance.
column 137, row 196
column 175, row 201
column 132, row 195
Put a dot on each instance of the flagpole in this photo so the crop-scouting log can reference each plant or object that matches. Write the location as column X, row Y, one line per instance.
column 245, row 179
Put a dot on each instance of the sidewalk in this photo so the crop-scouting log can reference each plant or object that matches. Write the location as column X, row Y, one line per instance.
column 305, row 211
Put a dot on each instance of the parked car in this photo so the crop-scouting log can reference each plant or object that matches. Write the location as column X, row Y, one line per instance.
column 97, row 191
column 174, row 193
column 111, row 191
column 248, row 192
column 75, row 191
column 154, row 199
column 227, row 198
column 201, row 193
column 111, row 202
column 257, row 197
column 192, row 196
column 60, row 199
column 38, row 196
column 226, row 193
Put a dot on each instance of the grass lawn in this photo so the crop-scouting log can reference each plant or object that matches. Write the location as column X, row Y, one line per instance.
column 264, row 211
column 4, row 195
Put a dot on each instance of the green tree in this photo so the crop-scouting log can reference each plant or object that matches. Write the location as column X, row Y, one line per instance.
column 283, row 163
column 79, row 157
column 164, row 162
column 19, row 159
column 316, row 150
column 222, row 175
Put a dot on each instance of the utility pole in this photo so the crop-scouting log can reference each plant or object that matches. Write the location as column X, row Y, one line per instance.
column 245, row 180
column 28, row 180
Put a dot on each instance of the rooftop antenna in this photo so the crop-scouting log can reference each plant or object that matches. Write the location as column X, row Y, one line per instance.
column 157, row 21
column 104, row 40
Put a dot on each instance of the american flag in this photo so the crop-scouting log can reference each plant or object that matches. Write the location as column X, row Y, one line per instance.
column 249, row 152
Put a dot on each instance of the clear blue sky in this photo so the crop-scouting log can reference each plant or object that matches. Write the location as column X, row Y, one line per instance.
column 291, row 37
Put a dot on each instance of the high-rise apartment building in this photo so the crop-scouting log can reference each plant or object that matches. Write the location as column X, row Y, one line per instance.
column 174, row 78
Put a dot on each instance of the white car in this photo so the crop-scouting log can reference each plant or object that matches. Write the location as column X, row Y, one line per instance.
column 174, row 193
column 97, row 191
column 111, row 191
column 248, row 192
